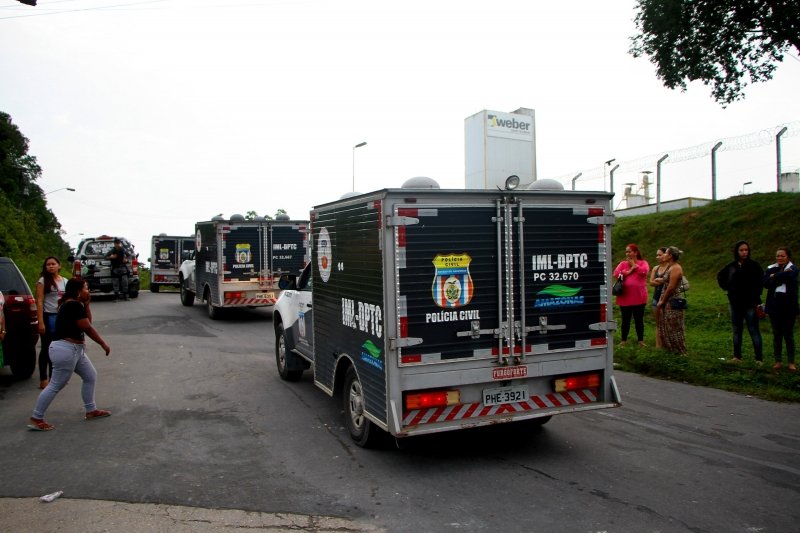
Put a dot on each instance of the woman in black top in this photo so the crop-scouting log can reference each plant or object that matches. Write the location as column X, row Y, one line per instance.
column 68, row 354
column 742, row 280
column 780, row 279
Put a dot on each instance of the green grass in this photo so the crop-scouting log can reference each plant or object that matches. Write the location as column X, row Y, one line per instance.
column 707, row 235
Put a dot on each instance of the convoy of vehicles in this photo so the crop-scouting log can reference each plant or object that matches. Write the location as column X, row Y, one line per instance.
column 90, row 263
column 21, row 321
column 166, row 256
column 436, row 310
column 238, row 262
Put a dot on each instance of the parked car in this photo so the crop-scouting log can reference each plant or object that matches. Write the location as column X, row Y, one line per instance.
column 90, row 264
column 22, row 324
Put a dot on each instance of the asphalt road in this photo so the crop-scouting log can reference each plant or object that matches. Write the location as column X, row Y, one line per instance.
column 202, row 420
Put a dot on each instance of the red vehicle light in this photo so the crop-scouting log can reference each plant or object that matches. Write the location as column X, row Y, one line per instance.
column 235, row 295
column 439, row 398
column 412, row 358
column 570, row 383
column 76, row 269
column 135, row 266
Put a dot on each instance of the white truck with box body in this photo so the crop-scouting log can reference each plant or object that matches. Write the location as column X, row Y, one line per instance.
column 167, row 252
column 238, row 262
column 435, row 310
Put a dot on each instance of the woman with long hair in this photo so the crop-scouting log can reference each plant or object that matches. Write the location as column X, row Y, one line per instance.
column 49, row 290
column 657, row 281
column 634, row 270
column 68, row 354
column 670, row 313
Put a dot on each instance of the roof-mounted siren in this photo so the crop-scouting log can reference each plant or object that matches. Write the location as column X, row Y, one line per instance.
column 217, row 218
column 349, row 194
column 546, row 184
column 237, row 218
column 420, row 182
column 282, row 216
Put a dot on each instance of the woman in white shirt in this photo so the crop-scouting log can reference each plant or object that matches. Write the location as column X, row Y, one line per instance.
column 49, row 290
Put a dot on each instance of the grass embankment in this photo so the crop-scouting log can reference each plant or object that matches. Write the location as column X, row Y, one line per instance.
column 707, row 235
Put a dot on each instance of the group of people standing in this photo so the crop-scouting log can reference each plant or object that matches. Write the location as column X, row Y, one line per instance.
column 744, row 281
column 65, row 319
column 666, row 277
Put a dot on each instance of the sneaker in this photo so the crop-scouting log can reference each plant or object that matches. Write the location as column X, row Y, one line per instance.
column 97, row 413
column 776, row 366
column 792, row 367
column 735, row 360
column 38, row 424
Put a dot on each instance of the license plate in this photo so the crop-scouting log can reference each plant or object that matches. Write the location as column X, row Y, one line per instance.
column 265, row 295
column 501, row 395
column 107, row 281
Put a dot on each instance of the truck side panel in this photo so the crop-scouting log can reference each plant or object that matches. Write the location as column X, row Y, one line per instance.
column 207, row 260
column 349, row 301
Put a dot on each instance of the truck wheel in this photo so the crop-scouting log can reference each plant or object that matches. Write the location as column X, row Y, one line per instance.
column 282, row 357
column 362, row 431
column 153, row 287
column 187, row 296
column 213, row 312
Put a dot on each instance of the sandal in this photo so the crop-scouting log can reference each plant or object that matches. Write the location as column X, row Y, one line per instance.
column 97, row 413
column 38, row 424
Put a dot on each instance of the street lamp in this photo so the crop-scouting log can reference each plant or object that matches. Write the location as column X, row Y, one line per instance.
column 745, row 184
column 608, row 164
column 359, row 145
column 61, row 189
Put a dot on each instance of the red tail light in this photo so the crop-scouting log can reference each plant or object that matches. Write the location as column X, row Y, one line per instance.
column 76, row 269
column 570, row 383
column 135, row 266
column 439, row 398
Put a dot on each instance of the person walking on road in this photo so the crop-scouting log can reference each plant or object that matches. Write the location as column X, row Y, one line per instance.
column 742, row 279
column 780, row 280
column 49, row 290
column 68, row 354
column 633, row 300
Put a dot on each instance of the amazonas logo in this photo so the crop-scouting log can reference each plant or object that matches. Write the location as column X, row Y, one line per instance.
column 559, row 296
column 371, row 355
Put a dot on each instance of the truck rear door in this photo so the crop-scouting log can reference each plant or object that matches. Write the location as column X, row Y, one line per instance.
column 166, row 254
column 489, row 282
column 287, row 248
column 242, row 254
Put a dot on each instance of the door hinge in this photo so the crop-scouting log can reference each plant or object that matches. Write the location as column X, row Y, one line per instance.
column 544, row 327
column 604, row 326
column 404, row 342
column 606, row 220
column 399, row 220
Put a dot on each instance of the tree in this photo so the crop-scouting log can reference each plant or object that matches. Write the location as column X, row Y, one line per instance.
column 727, row 44
column 28, row 227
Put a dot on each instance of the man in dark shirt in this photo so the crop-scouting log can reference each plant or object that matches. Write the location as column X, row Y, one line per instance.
column 119, row 269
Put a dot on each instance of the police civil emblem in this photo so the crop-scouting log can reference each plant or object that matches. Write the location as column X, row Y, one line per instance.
column 452, row 284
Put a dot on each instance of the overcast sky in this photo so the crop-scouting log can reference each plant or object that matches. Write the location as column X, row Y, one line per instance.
column 162, row 113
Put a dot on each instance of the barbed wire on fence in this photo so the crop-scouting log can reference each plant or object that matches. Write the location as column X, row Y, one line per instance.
column 748, row 141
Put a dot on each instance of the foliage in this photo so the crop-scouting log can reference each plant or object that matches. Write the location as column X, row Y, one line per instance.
column 719, row 42
column 29, row 231
column 707, row 235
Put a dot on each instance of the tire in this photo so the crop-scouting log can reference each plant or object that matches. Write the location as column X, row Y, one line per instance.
column 21, row 358
column 187, row 296
column 133, row 289
column 283, row 358
column 213, row 312
column 363, row 432
column 153, row 287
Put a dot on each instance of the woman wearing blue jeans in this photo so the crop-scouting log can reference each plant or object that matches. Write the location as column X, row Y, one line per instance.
column 68, row 355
